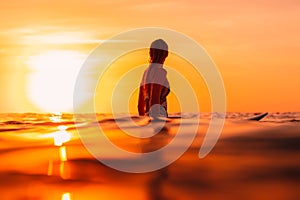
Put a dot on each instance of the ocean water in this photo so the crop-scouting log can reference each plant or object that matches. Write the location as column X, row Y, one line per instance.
column 43, row 157
column 27, row 121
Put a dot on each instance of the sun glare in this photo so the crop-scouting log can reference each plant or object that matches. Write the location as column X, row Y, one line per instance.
column 51, row 79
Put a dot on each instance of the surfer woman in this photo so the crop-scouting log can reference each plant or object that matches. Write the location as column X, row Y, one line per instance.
column 154, row 86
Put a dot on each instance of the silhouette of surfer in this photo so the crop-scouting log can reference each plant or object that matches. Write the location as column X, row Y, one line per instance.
column 154, row 87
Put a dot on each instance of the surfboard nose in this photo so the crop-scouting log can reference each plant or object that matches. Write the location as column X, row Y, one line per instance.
column 258, row 117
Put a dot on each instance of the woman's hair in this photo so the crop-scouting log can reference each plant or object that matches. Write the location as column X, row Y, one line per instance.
column 158, row 51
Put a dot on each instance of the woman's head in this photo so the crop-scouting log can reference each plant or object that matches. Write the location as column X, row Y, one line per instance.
column 158, row 51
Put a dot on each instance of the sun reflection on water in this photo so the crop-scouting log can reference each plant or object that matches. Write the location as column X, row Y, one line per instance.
column 63, row 153
column 56, row 117
column 66, row 196
column 61, row 136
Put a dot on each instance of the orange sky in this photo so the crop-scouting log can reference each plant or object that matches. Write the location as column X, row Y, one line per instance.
column 255, row 45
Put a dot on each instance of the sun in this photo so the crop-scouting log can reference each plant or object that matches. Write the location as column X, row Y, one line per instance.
column 51, row 79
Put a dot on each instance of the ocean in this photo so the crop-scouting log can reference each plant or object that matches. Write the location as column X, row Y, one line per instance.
column 46, row 156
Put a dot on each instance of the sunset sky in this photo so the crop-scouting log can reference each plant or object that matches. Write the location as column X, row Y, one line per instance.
column 255, row 44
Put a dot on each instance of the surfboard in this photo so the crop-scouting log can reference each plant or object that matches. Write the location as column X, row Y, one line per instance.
column 258, row 117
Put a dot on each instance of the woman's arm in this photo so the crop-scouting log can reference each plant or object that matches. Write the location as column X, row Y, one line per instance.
column 141, row 103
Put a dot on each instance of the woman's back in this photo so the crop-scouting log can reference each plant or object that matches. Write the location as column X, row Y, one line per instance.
column 154, row 89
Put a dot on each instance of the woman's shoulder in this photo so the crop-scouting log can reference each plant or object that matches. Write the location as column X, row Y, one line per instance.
column 161, row 75
column 161, row 71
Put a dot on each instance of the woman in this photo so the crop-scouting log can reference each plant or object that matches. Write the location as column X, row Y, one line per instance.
column 154, row 86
